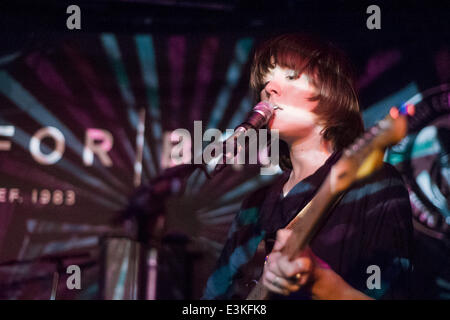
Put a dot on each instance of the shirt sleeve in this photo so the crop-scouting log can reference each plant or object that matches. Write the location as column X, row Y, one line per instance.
column 387, row 256
column 242, row 242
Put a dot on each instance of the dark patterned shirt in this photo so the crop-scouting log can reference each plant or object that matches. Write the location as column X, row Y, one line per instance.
column 371, row 226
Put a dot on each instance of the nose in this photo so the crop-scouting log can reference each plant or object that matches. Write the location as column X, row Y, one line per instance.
column 272, row 89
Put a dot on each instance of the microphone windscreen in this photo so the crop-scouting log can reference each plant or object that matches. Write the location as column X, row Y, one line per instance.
column 261, row 114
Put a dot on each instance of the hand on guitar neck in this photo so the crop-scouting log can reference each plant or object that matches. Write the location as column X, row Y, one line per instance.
column 305, row 272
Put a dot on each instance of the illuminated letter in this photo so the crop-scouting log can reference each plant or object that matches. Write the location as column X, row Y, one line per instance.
column 35, row 144
column 105, row 144
column 6, row 131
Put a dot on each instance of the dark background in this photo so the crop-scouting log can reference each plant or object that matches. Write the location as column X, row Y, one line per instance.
column 200, row 56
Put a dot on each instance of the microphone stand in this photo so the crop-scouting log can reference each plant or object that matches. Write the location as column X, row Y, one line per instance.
column 147, row 207
column 170, row 182
column 149, row 228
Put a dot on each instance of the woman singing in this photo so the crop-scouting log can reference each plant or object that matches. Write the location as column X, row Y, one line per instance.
column 363, row 249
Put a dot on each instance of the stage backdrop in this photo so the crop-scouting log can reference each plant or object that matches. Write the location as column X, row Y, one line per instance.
column 85, row 119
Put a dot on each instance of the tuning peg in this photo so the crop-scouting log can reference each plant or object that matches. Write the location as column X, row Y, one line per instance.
column 356, row 146
column 374, row 130
column 384, row 124
column 393, row 113
column 407, row 109
column 361, row 142
column 348, row 152
column 368, row 135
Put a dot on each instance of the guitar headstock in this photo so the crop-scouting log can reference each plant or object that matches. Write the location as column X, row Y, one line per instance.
column 366, row 154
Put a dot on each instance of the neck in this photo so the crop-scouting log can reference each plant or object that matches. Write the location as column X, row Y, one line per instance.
column 308, row 154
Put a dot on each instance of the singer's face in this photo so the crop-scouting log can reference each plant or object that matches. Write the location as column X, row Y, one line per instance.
column 291, row 92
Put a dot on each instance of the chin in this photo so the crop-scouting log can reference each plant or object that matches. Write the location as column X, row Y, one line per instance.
column 287, row 130
column 276, row 123
column 281, row 124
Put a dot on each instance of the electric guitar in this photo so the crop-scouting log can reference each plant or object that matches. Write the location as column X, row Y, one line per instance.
column 359, row 160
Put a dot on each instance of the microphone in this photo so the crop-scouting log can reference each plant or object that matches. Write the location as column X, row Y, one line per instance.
column 259, row 117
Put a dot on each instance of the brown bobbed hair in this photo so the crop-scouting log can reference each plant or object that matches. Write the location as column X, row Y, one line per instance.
column 331, row 74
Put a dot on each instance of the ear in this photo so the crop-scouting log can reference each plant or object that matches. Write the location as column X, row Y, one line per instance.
column 328, row 145
column 326, row 139
column 285, row 160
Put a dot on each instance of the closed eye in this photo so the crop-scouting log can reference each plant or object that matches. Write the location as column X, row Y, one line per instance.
column 292, row 75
